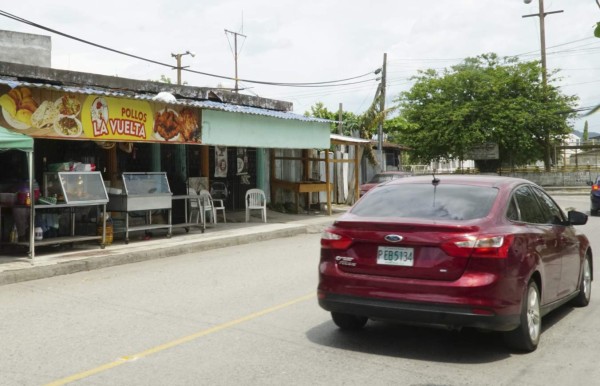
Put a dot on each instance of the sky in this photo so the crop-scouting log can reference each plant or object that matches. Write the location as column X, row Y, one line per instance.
column 292, row 41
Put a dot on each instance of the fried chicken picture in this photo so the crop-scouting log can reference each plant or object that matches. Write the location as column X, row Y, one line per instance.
column 166, row 125
column 188, row 125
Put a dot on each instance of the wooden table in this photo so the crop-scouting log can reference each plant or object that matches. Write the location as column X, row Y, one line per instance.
column 298, row 188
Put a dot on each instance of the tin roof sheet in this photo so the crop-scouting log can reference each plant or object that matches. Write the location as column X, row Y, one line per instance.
column 202, row 104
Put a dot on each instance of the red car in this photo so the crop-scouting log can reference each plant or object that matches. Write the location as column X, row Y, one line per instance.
column 493, row 253
column 380, row 178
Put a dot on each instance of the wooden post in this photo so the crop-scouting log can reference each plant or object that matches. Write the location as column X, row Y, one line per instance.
column 204, row 163
column 113, row 166
column 356, row 163
column 327, row 181
column 272, row 174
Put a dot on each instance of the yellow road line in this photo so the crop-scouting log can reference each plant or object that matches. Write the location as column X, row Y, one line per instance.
column 174, row 343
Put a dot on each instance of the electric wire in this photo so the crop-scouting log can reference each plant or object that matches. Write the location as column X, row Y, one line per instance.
column 331, row 83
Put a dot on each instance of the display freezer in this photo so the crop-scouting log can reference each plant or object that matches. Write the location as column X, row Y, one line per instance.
column 142, row 194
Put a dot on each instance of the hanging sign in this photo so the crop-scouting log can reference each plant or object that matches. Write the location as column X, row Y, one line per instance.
column 44, row 113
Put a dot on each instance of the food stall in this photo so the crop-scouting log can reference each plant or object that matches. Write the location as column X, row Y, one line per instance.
column 73, row 192
column 142, row 193
column 17, row 141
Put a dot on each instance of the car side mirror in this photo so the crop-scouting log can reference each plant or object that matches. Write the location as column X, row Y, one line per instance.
column 577, row 218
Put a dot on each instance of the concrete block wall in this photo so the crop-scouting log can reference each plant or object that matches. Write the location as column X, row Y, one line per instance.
column 579, row 178
column 24, row 48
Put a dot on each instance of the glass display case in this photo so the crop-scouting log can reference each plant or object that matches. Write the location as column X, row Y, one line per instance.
column 142, row 192
column 84, row 188
column 66, row 196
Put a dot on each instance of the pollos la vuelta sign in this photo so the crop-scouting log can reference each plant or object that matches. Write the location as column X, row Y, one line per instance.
column 44, row 113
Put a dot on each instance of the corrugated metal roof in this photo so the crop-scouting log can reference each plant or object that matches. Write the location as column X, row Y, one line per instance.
column 202, row 104
column 212, row 105
column 338, row 139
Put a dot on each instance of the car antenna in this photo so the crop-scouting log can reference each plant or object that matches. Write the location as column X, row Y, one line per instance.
column 435, row 183
column 435, row 180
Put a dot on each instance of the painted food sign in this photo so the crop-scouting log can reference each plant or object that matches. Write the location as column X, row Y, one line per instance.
column 45, row 113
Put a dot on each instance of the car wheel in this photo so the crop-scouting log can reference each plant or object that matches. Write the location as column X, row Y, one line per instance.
column 348, row 322
column 527, row 336
column 585, row 285
column 593, row 212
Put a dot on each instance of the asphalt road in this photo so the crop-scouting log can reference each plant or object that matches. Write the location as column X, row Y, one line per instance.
column 248, row 315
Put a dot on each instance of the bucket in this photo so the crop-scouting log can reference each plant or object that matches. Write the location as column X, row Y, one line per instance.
column 109, row 232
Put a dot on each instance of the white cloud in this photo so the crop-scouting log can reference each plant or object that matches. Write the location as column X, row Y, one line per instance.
column 310, row 41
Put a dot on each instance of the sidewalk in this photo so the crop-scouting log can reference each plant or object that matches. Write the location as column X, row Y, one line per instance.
column 16, row 267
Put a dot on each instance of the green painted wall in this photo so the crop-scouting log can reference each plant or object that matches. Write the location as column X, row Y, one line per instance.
column 247, row 130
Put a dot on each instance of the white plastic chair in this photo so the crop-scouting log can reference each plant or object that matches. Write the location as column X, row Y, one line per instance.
column 193, row 206
column 255, row 199
column 207, row 205
column 219, row 205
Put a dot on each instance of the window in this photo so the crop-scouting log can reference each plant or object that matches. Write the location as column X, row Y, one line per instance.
column 528, row 206
column 449, row 202
column 551, row 212
column 512, row 213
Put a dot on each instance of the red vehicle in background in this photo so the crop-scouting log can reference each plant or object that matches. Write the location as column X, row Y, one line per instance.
column 380, row 178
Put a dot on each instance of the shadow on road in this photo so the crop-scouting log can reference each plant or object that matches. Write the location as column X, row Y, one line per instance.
column 467, row 346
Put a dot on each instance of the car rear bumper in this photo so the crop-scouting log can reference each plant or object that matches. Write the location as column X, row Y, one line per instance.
column 595, row 202
column 429, row 314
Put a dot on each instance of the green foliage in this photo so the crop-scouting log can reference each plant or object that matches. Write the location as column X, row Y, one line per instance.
column 365, row 124
column 320, row 111
column 166, row 79
column 484, row 99
column 597, row 30
column 163, row 79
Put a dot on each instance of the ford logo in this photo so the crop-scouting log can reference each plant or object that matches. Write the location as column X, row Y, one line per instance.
column 393, row 238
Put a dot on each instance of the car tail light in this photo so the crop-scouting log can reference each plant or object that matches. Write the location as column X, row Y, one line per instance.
column 489, row 246
column 595, row 187
column 331, row 240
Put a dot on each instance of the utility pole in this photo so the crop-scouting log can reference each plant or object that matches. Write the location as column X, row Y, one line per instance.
column 542, row 15
column 382, row 109
column 235, row 54
column 180, row 150
column 179, row 67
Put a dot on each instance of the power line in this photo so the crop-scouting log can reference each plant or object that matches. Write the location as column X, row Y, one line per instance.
column 330, row 83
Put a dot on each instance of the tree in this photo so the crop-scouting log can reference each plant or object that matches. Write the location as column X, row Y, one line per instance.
column 485, row 99
column 165, row 79
column 597, row 29
column 586, row 133
column 365, row 124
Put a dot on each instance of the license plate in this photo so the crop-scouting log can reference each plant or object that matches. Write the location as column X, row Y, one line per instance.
column 395, row 256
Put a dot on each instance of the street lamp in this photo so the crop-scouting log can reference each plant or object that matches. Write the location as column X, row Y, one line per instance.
column 179, row 67
column 542, row 15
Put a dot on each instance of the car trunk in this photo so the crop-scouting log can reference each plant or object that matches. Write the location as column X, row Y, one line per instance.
column 418, row 255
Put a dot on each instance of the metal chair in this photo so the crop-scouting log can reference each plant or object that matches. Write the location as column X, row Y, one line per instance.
column 255, row 199
column 218, row 190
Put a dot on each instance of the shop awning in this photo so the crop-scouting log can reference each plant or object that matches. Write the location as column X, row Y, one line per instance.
column 9, row 140
column 252, row 130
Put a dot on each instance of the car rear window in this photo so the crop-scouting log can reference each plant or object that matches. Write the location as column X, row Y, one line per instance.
column 447, row 202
